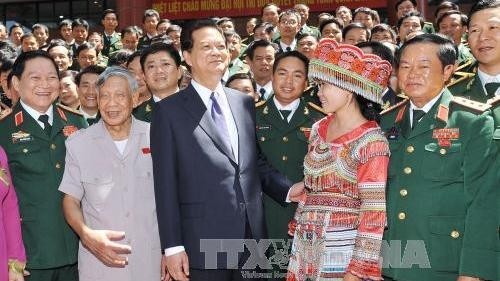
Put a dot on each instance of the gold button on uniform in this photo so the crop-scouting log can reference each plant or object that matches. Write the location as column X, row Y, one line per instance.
column 442, row 151
column 284, row 158
column 262, row 138
column 52, row 146
column 58, row 166
column 407, row 170
column 285, row 139
column 401, row 216
column 25, row 150
column 410, row 149
column 455, row 234
column 403, row 192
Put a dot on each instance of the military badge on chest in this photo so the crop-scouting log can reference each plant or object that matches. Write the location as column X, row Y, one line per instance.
column 445, row 136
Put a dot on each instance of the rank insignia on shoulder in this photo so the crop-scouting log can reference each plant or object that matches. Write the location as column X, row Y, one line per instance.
column 306, row 131
column 470, row 104
column 67, row 108
column 21, row 136
column 265, row 110
column 494, row 101
column 391, row 108
column 260, row 103
column 316, row 107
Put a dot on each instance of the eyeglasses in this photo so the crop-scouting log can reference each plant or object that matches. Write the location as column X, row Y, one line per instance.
column 288, row 22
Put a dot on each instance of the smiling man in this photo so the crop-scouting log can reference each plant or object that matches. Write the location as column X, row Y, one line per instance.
column 33, row 136
column 208, row 175
column 161, row 65
column 85, row 80
column 439, row 206
column 283, row 125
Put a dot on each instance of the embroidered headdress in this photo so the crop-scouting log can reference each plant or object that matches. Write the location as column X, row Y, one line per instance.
column 347, row 67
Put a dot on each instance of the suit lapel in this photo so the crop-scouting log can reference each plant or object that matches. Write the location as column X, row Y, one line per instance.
column 195, row 106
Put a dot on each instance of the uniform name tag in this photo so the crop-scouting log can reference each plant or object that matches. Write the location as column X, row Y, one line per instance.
column 264, row 127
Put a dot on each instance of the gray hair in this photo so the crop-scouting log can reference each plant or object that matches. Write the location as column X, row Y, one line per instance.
column 117, row 71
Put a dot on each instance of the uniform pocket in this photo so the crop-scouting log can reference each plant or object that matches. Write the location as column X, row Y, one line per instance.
column 97, row 190
column 445, row 243
column 442, row 163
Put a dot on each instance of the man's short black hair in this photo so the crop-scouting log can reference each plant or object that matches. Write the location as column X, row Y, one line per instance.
column 133, row 56
column 378, row 49
column 355, row 25
column 150, row 13
column 160, row 47
column 60, row 43
column 328, row 21
column 463, row 18
column 109, row 11
column 65, row 22
column 294, row 54
column 20, row 63
column 242, row 76
column 250, row 51
column 80, row 22
column 414, row 2
column 14, row 25
column 91, row 69
column 409, row 15
column 447, row 52
column 6, row 65
column 187, row 33
column 382, row 27
column 483, row 5
column 85, row 46
column 446, row 5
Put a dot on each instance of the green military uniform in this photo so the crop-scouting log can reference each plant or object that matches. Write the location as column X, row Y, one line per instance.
column 237, row 66
column 144, row 42
column 306, row 29
column 111, row 43
column 471, row 88
column 37, row 163
column 437, row 207
column 428, row 28
column 311, row 94
column 285, row 145
column 144, row 111
column 464, row 57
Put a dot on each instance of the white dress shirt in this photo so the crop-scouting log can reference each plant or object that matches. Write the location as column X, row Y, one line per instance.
column 35, row 114
column 424, row 108
column 486, row 78
column 268, row 87
column 291, row 106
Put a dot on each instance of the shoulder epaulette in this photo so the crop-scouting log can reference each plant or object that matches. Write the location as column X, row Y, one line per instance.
column 463, row 76
column 5, row 113
column 389, row 109
column 316, row 107
column 403, row 96
column 494, row 101
column 479, row 107
column 67, row 108
column 260, row 103
column 144, row 102
column 464, row 65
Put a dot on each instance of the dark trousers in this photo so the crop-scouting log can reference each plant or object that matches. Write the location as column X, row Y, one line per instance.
column 63, row 273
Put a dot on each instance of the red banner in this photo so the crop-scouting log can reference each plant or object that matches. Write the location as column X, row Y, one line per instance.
column 197, row 9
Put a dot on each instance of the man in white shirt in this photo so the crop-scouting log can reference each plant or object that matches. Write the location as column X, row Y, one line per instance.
column 260, row 58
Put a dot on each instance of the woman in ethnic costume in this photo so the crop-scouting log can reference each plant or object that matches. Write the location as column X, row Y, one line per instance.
column 338, row 227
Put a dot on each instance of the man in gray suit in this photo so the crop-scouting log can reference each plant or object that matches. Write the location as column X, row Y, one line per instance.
column 208, row 174
column 108, row 186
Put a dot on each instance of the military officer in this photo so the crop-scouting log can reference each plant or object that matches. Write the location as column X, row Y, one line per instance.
column 33, row 136
column 303, row 11
column 484, row 37
column 149, row 22
column 283, row 125
column 439, row 209
column 110, row 38
column 161, row 64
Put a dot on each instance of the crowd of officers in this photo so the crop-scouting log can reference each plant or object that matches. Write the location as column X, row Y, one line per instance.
column 153, row 54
